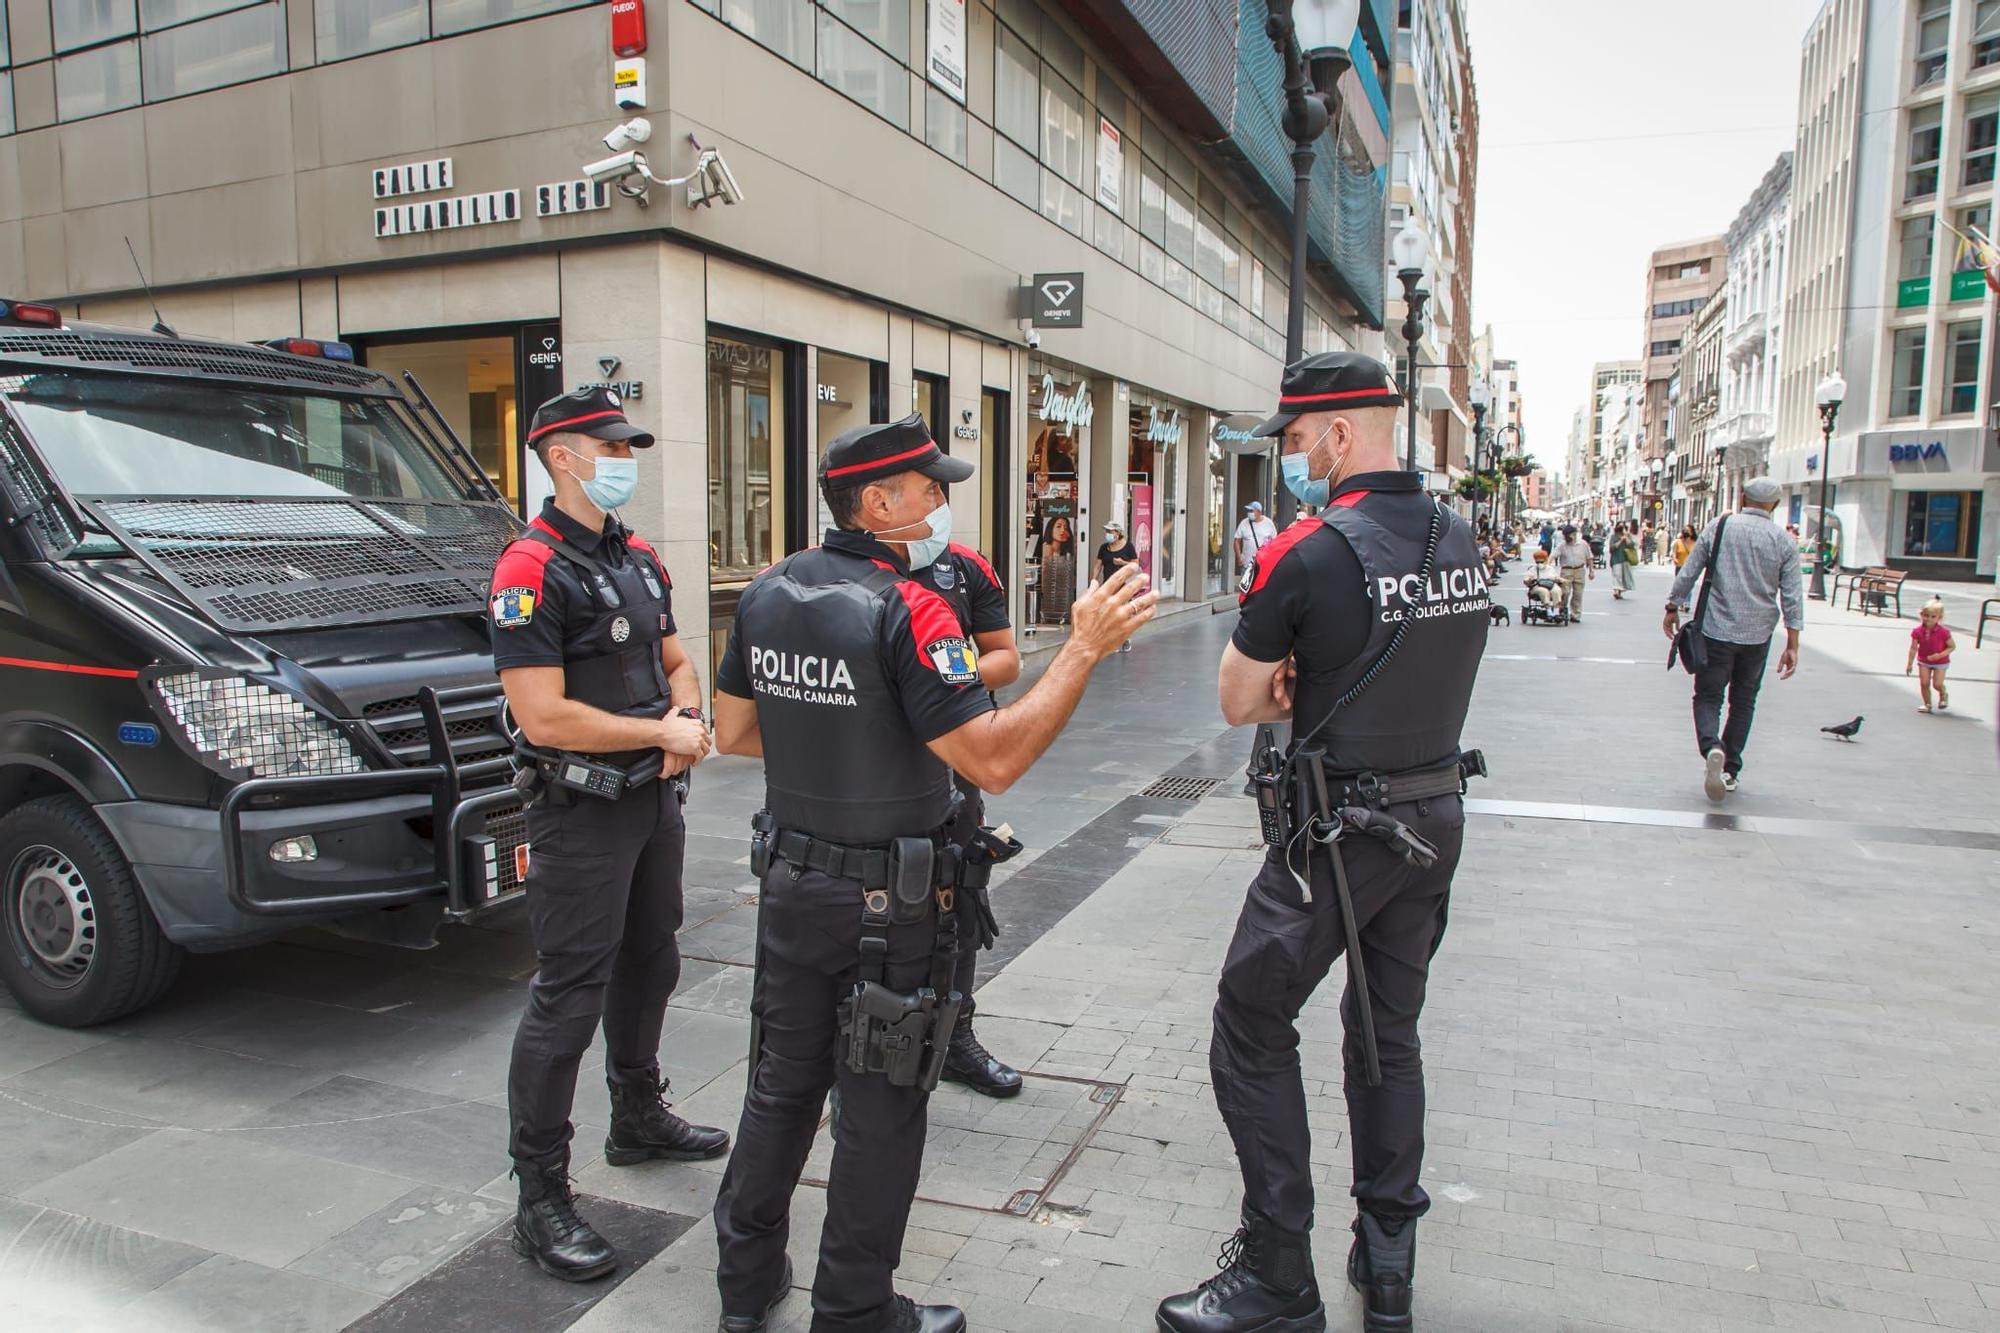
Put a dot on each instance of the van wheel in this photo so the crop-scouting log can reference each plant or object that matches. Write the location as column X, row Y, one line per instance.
column 81, row 945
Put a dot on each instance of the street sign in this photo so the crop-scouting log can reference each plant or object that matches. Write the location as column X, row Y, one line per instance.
column 1057, row 300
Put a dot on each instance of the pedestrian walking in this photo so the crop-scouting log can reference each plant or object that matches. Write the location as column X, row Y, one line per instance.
column 1547, row 540
column 1683, row 544
column 1753, row 583
column 1116, row 551
column 1645, row 544
column 584, row 640
column 854, row 683
column 1931, row 647
column 1573, row 569
column 1380, row 727
column 1624, row 556
column 1253, row 534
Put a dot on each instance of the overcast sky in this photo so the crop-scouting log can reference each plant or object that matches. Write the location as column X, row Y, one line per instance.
column 1607, row 129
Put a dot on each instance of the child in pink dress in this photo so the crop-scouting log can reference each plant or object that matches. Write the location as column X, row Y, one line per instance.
column 1930, row 653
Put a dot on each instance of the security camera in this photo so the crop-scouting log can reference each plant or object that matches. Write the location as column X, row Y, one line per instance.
column 620, row 164
column 636, row 130
column 1034, row 337
column 713, row 180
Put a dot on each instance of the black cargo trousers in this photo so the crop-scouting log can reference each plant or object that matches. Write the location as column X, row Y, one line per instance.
column 809, row 946
column 1283, row 948
column 604, row 902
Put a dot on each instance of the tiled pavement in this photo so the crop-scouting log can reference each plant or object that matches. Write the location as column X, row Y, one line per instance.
column 1681, row 1079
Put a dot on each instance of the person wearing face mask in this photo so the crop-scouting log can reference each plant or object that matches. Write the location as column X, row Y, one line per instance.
column 855, row 682
column 1363, row 629
column 582, row 625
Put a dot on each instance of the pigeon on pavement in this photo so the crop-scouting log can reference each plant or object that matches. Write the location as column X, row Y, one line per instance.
column 1846, row 730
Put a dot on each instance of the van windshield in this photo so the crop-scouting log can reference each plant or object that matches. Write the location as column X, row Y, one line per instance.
column 124, row 436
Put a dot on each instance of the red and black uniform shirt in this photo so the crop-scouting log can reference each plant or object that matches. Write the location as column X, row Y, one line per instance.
column 1305, row 595
column 966, row 581
column 541, row 613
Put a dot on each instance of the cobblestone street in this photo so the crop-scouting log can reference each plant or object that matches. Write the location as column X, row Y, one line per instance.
column 1689, row 1072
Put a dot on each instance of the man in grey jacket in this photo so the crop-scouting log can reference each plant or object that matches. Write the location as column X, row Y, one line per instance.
column 1753, row 582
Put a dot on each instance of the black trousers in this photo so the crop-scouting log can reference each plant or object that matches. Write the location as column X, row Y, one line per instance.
column 1738, row 670
column 604, row 901
column 809, row 941
column 1283, row 948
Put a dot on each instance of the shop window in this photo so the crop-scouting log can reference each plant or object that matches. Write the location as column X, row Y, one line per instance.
column 861, row 71
column 1982, row 135
column 473, row 383
column 1157, row 430
column 450, row 16
column 844, row 397
column 1962, row 368
column 1016, row 88
column 356, row 27
column 1056, row 552
column 746, row 431
column 1215, row 562
column 231, row 48
column 1920, row 179
column 1906, row 374
column 930, row 398
column 104, row 78
column 1942, row 525
column 994, row 449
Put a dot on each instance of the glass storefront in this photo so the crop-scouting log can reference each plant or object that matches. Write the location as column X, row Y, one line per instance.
column 1151, row 499
column 844, row 393
column 472, row 381
column 746, row 475
column 1215, row 560
column 1059, row 421
column 1941, row 525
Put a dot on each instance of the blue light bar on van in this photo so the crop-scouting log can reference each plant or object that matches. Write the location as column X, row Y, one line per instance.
column 329, row 351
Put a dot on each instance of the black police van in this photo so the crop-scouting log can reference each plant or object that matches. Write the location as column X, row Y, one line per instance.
column 245, row 683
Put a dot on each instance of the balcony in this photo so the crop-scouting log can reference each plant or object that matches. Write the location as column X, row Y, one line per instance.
column 1742, row 429
column 1746, row 339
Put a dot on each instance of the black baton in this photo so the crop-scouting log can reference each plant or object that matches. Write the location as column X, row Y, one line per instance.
column 1357, row 971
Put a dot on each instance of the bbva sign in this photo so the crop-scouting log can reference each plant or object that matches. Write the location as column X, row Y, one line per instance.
column 1917, row 453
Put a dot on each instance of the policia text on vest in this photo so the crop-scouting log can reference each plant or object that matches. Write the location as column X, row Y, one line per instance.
column 1364, row 629
column 607, row 702
column 861, row 883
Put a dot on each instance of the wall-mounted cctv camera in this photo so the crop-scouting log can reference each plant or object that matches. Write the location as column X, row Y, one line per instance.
column 1034, row 337
column 620, row 164
column 636, row 130
column 713, row 180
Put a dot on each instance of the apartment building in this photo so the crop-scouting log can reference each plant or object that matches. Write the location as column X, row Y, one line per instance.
column 1679, row 280
column 1694, row 476
column 1759, row 243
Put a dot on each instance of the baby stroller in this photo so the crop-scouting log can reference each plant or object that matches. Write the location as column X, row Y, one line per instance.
column 1546, row 604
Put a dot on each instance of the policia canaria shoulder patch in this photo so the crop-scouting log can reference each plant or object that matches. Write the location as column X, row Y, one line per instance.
column 955, row 660
column 513, row 607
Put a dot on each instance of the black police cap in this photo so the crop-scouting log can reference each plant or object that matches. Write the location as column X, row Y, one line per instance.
column 596, row 412
column 1331, row 382
column 884, row 449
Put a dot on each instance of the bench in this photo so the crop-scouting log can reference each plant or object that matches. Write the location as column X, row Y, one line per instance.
column 1876, row 586
column 1986, row 613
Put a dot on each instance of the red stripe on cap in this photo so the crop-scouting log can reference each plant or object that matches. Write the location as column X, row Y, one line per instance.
column 69, row 668
column 1288, row 400
column 927, row 447
column 572, row 421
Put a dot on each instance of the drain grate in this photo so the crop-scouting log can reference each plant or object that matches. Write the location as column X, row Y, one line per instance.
column 1181, row 789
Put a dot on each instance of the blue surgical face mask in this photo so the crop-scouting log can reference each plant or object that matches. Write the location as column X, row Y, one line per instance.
column 612, row 486
column 926, row 550
column 1296, row 470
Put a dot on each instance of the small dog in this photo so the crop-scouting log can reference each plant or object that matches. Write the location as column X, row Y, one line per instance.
column 1500, row 615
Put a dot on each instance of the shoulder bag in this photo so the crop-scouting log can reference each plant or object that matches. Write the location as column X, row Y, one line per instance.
column 1690, row 644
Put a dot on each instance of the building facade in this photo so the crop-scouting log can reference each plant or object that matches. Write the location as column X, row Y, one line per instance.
column 1913, row 469
column 407, row 176
column 1679, row 280
column 1695, row 472
column 1591, row 470
column 1753, row 343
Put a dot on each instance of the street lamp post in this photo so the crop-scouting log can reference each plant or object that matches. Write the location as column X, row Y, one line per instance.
column 1408, row 250
column 1480, row 397
column 1831, row 393
column 1312, row 36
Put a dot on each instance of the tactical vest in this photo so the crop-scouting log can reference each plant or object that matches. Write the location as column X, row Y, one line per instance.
column 621, row 671
column 840, row 760
column 1413, row 713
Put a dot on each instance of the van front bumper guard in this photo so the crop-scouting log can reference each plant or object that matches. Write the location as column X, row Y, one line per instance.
column 469, row 865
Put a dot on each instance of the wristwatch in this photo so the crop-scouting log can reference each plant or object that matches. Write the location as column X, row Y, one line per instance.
column 693, row 714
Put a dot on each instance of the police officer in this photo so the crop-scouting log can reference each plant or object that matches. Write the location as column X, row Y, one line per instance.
column 1363, row 627
column 978, row 601
column 856, row 684
column 584, row 640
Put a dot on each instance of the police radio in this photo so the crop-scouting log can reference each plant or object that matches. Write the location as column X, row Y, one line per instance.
column 1267, row 774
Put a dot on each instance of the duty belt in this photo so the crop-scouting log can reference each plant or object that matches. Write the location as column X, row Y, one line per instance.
column 1382, row 790
column 869, row 865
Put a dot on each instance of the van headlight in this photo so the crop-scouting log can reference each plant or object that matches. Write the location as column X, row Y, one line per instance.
column 241, row 727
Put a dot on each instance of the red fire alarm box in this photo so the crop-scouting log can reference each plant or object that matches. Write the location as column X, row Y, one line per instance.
column 628, row 27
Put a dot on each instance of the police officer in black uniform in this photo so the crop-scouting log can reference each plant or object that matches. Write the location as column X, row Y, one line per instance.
column 1362, row 627
column 970, row 587
column 856, row 684
column 597, row 682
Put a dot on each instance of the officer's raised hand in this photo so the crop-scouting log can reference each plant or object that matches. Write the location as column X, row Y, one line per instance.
column 1108, row 613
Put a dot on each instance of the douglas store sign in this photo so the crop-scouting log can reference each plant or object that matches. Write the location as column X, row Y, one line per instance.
column 1232, row 434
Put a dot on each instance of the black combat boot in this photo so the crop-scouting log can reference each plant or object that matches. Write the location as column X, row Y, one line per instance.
column 1382, row 1266
column 906, row 1316
column 642, row 1128
column 754, row 1323
column 967, row 1061
column 1266, row 1286
column 547, row 1228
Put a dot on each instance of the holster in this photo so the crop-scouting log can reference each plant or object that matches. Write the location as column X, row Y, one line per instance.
column 989, row 847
